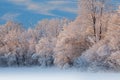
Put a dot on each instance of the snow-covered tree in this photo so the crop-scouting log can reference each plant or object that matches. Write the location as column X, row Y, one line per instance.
column 95, row 14
column 15, row 46
column 71, row 42
column 44, row 51
column 104, row 54
column 51, row 28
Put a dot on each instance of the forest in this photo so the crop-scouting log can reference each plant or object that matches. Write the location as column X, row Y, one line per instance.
column 89, row 42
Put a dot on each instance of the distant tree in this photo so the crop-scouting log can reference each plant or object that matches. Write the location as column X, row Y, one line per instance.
column 15, row 45
column 51, row 28
column 49, row 31
column 44, row 50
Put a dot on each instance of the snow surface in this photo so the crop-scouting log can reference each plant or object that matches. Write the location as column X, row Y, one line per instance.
column 37, row 73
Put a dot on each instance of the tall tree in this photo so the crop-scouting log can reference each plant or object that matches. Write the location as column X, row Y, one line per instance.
column 94, row 13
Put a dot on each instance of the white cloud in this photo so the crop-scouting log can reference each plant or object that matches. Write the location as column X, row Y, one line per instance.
column 72, row 10
column 60, row 2
column 64, row 5
column 47, row 6
column 9, row 16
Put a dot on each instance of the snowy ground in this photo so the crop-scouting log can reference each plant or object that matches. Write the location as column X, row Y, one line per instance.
column 52, row 74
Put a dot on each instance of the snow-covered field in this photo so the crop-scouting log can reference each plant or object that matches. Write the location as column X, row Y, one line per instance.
column 52, row 74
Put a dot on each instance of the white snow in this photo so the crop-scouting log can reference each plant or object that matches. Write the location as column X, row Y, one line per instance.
column 53, row 74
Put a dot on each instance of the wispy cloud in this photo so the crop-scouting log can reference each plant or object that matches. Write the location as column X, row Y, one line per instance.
column 9, row 16
column 46, row 7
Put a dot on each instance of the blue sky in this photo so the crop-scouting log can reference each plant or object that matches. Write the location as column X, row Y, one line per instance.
column 29, row 12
